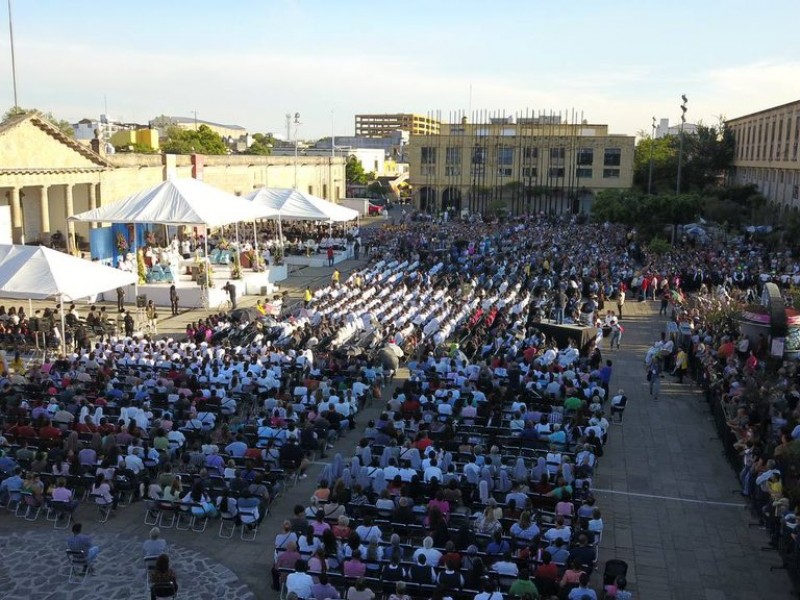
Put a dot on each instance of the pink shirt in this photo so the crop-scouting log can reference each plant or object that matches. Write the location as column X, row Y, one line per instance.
column 354, row 568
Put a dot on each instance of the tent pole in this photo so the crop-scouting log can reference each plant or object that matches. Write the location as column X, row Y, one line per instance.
column 63, row 326
column 207, row 261
column 237, row 233
column 135, row 265
column 255, row 244
column 280, row 234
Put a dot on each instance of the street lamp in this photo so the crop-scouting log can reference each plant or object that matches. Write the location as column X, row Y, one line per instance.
column 296, row 126
column 680, row 145
column 650, row 171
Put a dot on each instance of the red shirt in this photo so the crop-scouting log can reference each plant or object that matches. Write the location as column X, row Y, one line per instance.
column 549, row 571
column 48, row 432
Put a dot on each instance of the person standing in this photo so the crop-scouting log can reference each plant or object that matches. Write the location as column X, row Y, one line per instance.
column 128, row 321
column 231, row 289
column 330, row 256
column 308, row 296
column 335, row 277
column 654, row 377
column 120, row 299
column 173, row 299
column 620, row 301
column 356, row 249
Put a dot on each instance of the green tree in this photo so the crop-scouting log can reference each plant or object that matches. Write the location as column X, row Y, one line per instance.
column 262, row 144
column 665, row 163
column 62, row 124
column 707, row 159
column 190, row 141
column 354, row 172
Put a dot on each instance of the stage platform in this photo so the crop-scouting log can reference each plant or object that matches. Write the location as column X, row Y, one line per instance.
column 189, row 292
column 315, row 260
column 563, row 333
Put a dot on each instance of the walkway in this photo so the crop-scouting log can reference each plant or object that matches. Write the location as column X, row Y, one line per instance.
column 669, row 498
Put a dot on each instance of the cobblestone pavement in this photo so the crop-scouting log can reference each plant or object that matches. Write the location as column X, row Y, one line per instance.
column 34, row 565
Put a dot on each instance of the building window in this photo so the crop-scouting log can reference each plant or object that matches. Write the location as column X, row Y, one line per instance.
column 478, row 155
column 557, row 154
column 325, row 191
column 505, row 155
column 613, row 157
column 478, row 170
column 585, row 157
column 452, row 170
column 530, row 154
column 452, row 155
column 796, row 192
column 610, row 173
column 529, row 172
column 583, row 173
column 504, row 171
column 311, row 190
column 556, row 172
column 428, row 155
column 428, row 170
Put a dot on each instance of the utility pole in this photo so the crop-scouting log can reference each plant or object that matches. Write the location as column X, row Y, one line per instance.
column 680, row 145
column 13, row 57
column 296, row 125
column 195, row 119
column 650, row 171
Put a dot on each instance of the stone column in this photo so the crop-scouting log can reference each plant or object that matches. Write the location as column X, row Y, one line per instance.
column 44, row 218
column 70, row 212
column 92, row 202
column 17, row 233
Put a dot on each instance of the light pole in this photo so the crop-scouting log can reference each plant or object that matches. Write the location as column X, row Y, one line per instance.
column 194, row 112
column 650, row 171
column 296, row 125
column 13, row 57
column 680, row 144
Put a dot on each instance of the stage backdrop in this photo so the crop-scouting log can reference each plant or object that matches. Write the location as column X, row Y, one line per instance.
column 104, row 241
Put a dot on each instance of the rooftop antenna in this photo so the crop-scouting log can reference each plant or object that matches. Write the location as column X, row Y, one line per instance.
column 13, row 57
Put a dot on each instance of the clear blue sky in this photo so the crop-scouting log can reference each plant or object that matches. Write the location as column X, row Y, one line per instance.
column 249, row 62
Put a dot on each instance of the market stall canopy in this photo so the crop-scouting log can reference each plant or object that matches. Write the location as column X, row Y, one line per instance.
column 291, row 204
column 38, row 272
column 178, row 202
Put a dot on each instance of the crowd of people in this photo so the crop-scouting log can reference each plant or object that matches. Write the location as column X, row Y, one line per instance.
column 476, row 478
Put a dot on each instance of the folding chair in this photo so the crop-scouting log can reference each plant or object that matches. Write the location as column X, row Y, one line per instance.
column 32, row 506
column 56, row 511
column 164, row 590
column 78, row 566
column 227, row 520
column 249, row 519
column 167, row 509
column 103, row 507
column 152, row 513
column 149, row 564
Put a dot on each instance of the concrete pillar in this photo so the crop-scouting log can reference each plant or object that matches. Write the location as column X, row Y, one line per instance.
column 44, row 218
column 92, row 201
column 17, row 232
column 70, row 211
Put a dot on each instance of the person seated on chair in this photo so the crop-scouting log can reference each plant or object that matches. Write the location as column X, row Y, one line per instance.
column 155, row 545
column 80, row 542
column 162, row 575
column 61, row 493
column 11, row 487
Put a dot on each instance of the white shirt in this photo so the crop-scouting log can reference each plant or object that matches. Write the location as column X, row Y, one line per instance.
column 300, row 583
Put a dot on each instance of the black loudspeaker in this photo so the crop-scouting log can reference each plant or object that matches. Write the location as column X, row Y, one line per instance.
column 141, row 301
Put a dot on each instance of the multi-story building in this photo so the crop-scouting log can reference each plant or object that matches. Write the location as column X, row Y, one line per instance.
column 664, row 129
column 531, row 165
column 767, row 152
column 384, row 125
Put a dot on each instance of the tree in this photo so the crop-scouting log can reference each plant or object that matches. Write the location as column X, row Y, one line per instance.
column 707, row 159
column 62, row 124
column 190, row 141
column 262, row 144
column 354, row 172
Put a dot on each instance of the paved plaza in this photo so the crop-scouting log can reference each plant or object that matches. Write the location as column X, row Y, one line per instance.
column 669, row 502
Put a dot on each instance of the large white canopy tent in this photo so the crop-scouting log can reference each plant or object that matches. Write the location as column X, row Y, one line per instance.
column 38, row 272
column 294, row 205
column 179, row 202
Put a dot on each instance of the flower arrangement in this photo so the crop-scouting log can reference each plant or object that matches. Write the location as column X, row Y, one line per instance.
column 224, row 244
column 150, row 238
column 236, row 267
column 122, row 243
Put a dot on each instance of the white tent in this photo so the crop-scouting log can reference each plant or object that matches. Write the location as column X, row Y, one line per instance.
column 38, row 272
column 178, row 202
column 294, row 205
